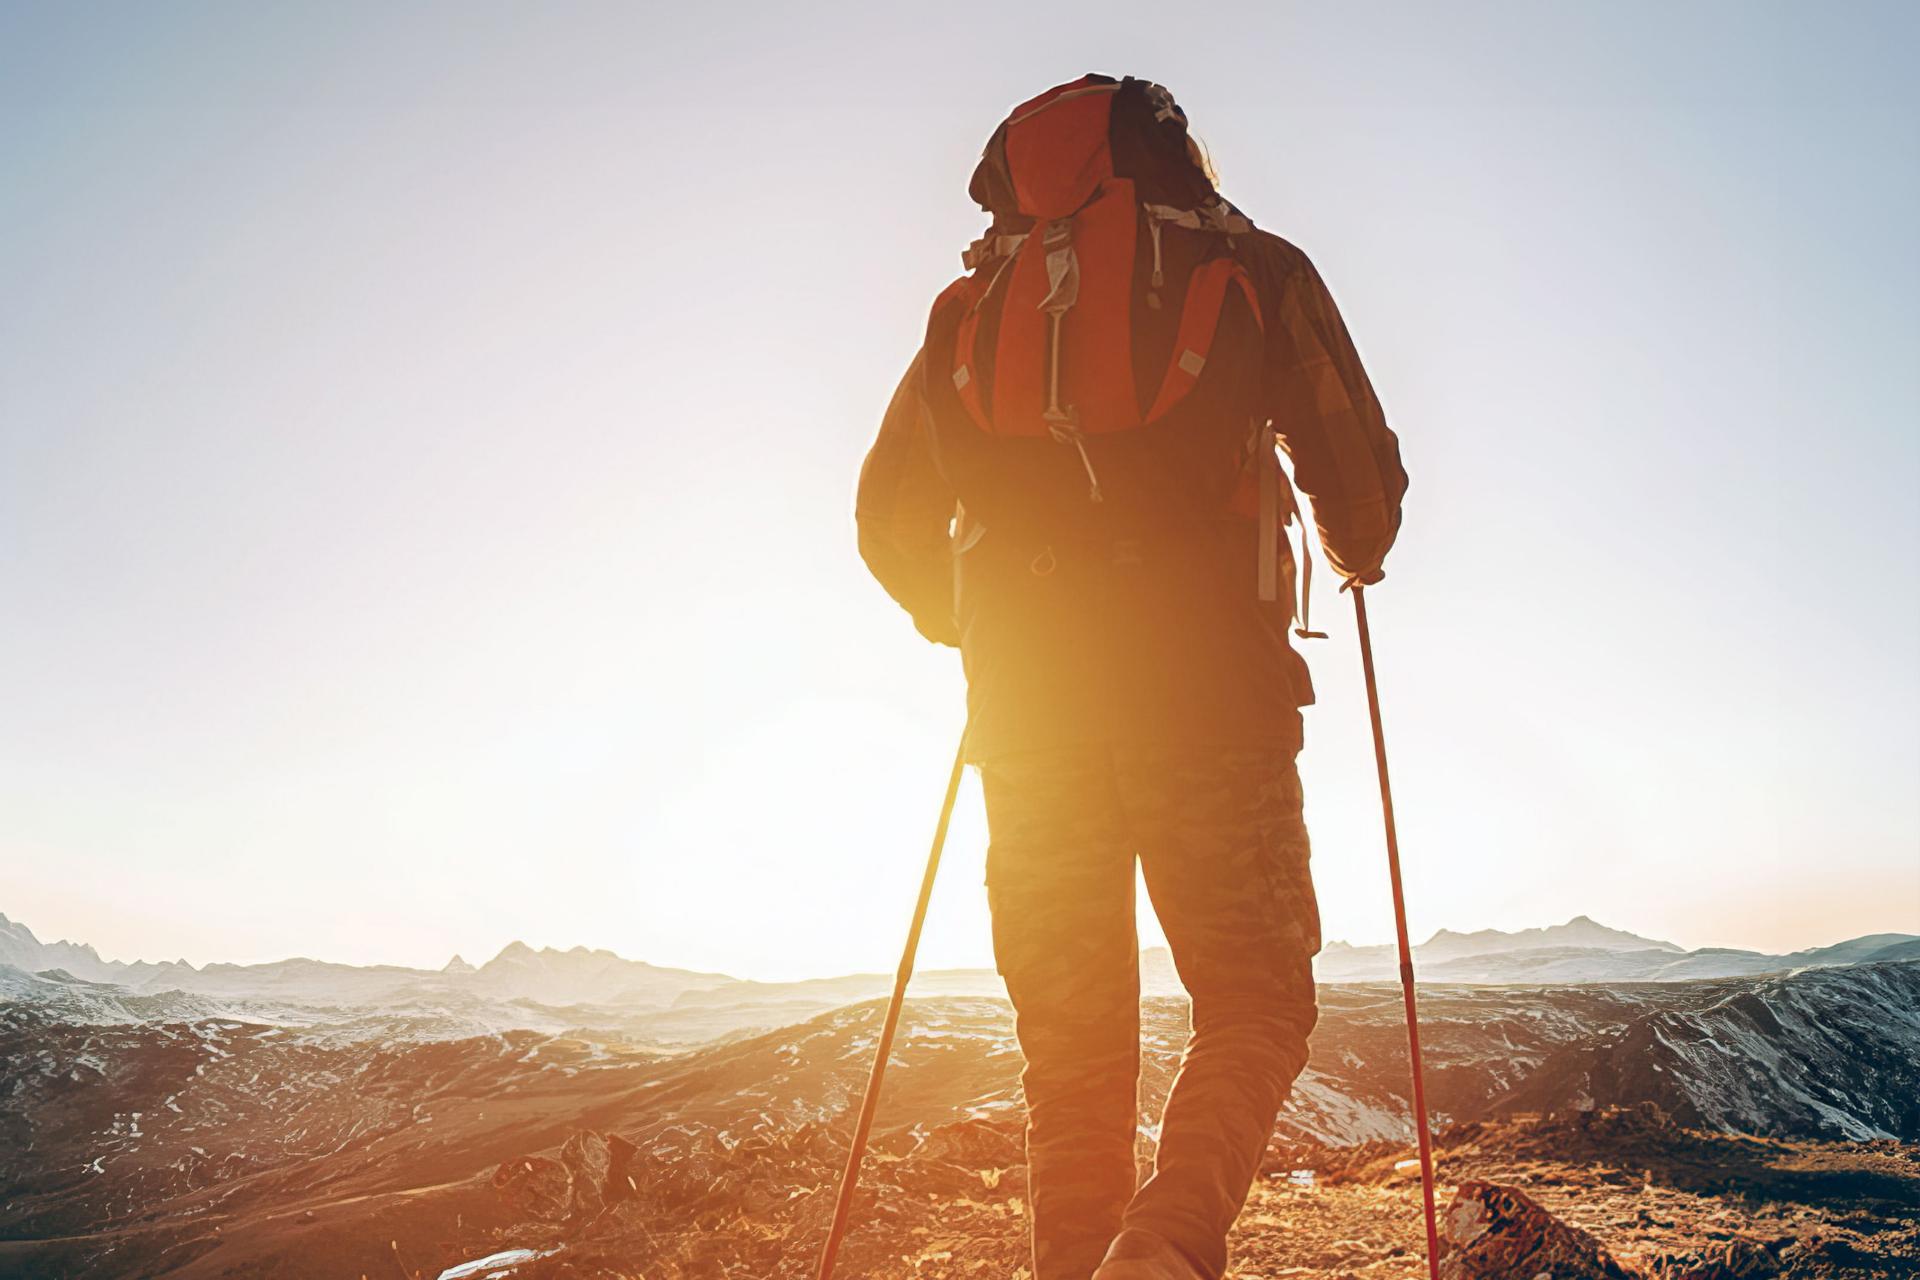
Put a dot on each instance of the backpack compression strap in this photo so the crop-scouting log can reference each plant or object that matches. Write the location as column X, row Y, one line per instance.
column 1280, row 509
column 987, row 258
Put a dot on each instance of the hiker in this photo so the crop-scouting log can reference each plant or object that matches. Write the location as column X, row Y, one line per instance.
column 1076, row 484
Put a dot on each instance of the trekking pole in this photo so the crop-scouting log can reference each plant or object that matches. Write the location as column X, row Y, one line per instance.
column 850, row 1176
column 1400, row 928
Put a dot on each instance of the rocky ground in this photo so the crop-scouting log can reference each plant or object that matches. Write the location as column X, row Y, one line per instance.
column 213, row 1148
column 1658, row 1200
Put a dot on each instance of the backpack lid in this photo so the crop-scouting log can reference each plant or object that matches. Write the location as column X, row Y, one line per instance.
column 1050, row 155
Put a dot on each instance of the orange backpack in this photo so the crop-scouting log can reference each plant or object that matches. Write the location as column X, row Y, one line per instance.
column 1096, row 372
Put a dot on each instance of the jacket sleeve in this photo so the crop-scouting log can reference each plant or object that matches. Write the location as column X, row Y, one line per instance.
column 1344, row 456
column 904, row 513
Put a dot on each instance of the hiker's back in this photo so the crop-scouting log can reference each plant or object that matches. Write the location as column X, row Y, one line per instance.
column 1093, row 387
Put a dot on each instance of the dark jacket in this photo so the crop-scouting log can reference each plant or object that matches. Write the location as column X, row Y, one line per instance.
column 1156, row 641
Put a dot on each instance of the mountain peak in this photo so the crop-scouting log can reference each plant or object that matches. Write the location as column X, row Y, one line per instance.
column 1582, row 931
column 515, row 952
column 457, row 965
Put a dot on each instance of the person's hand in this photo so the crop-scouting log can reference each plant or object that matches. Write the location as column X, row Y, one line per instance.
column 1366, row 579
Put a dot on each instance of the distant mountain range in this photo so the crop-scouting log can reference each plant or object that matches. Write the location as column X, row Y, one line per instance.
column 1582, row 950
column 522, row 987
column 519, row 973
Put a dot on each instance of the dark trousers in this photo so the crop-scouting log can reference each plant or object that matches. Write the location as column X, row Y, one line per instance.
column 1219, row 837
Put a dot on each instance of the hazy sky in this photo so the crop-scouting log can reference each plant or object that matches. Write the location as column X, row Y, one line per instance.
column 428, row 437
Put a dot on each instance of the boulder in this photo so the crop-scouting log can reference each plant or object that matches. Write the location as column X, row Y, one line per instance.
column 534, row 1187
column 1495, row 1232
column 623, row 1159
column 972, row 1144
column 588, row 1159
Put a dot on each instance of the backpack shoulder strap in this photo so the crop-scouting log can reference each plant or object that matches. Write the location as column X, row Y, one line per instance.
column 1199, row 321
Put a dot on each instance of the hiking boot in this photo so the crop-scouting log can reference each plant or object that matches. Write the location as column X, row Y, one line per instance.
column 1141, row 1255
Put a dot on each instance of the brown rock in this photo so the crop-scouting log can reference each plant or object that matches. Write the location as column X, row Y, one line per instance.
column 534, row 1187
column 972, row 1144
column 1494, row 1232
column 1732, row 1260
column 894, row 1142
column 817, row 1142
column 622, row 1161
column 762, row 1198
column 589, row 1161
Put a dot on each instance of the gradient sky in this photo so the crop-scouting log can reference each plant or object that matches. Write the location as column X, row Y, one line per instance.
column 428, row 437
